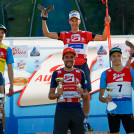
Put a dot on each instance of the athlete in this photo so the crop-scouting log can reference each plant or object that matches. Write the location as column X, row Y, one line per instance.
column 121, row 79
column 6, row 57
column 78, row 40
column 69, row 113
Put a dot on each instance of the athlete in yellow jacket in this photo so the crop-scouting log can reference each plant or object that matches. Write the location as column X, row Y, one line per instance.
column 6, row 57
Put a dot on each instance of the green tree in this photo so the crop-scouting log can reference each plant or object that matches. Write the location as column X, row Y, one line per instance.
column 121, row 12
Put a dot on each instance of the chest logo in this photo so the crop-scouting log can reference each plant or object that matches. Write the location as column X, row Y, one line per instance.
column 68, row 78
column 75, row 37
column 118, row 77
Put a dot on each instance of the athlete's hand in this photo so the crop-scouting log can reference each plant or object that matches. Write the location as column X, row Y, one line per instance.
column 10, row 91
column 107, row 19
column 79, row 91
column 44, row 13
column 85, row 95
column 108, row 99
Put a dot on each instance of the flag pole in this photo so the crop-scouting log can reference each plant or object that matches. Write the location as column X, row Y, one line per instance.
column 109, row 37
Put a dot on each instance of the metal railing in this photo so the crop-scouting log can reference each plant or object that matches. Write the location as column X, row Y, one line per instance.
column 82, row 19
column 32, row 19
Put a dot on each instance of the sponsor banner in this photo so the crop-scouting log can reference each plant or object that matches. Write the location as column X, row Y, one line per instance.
column 35, row 51
column 102, row 49
column 76, row 46
column 20, row 64
column 36, row 108
column 102, row 56
column 20, row 81
column 37, row 63
column 38, row 69
column 20, row 51
column 100, row 61
column 36, row 92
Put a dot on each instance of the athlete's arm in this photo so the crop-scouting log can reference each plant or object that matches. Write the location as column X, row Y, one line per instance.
column 52, row 92
column 85, row 94
column 86, row 104
column 103, row 86
column 102, row 98
column 46, row 32
column 52, row 95
column 10, row 75
column 104, row 36
column 101, row 95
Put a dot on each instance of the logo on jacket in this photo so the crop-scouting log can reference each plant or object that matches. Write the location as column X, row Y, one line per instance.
column 118, row 77
column 75, row 37
column 2, row 55
column 69, row 78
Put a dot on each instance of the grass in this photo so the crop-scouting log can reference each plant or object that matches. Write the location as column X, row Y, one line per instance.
column 22, row 12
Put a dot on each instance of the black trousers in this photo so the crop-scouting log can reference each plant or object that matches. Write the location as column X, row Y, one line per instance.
column 1, row 127
column 72, row 119
column 127, row 121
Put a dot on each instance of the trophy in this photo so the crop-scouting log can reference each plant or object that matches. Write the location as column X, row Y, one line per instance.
column 111, row 105
column 78, row 95
column 60, row 80
column 45, row 17
column 1, row 97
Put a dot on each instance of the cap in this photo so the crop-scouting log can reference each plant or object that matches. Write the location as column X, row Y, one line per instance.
column 69, row 50
column 75, row 14
column 3, row 27
column 115, row 49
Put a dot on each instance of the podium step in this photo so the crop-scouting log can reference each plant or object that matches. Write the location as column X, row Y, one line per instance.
column 92, row 132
